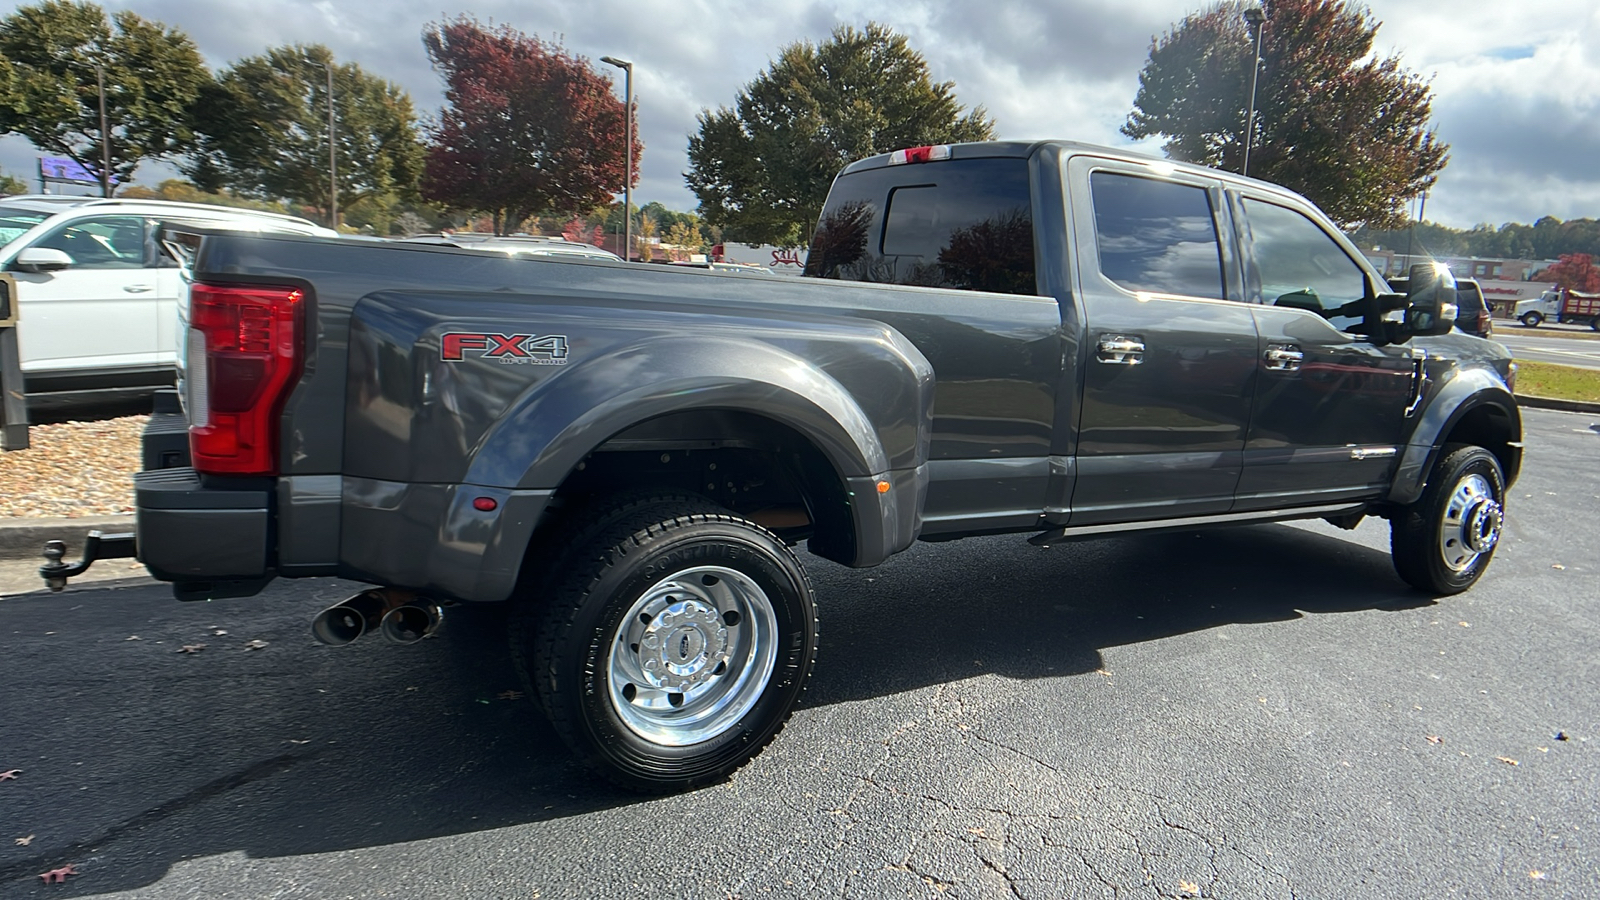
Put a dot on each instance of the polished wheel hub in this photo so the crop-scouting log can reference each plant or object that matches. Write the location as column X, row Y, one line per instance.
column 692, row 656
column 1471, row 523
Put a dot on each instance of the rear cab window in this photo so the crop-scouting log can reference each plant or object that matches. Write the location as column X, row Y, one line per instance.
column 960, row 223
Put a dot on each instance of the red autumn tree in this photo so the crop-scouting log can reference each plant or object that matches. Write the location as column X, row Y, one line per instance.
column 527, row 128
column 1575, row 272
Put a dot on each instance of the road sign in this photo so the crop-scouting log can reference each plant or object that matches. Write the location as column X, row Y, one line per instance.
column 66, row 171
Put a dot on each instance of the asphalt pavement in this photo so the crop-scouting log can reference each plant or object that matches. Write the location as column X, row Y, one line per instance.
column 1257, row 712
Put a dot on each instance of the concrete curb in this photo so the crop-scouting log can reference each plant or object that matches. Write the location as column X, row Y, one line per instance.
column 1582, row 406
column 23, row 538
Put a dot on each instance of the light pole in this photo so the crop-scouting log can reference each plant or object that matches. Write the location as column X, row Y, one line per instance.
column 1257, row 17
column 333, row 152
column 627, row 153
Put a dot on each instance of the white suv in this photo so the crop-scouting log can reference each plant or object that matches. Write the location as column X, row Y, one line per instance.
column 96, row 291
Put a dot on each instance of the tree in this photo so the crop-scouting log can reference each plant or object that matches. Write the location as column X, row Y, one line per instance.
column 10, row 184
column 1344, row 127
column 526, row 128
column 1575, row 272
column 763, row 168
column 264, row 126
column 49, row 92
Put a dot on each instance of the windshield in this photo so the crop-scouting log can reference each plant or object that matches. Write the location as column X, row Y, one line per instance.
column 14, row 221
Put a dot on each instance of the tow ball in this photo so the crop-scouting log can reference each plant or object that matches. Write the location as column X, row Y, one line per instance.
column 96, row 546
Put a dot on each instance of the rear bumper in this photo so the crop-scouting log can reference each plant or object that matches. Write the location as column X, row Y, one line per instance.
column 189, row 532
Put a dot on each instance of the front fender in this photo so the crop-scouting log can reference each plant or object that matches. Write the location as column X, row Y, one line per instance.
column 1463, row 391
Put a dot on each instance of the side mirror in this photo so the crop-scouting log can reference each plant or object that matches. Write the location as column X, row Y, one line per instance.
column 1430, row 301
column 43, row 259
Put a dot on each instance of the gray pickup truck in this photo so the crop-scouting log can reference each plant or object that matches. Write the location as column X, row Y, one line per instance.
column 1049, row 339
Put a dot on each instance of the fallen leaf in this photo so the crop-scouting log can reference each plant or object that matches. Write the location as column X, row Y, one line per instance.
column 1543, row 749
column 1562, row 736
column 510, row 695
column 219, row 632
column 1464, row 624
column 1435, row 739
column 192, row 648
column 255, row 644
column 133, row 637
column 1188, row 887
column 293, row 741
column 1537, row 875
column 57, row 876
column 1558, row 566
column 24, row 841
column 1508, row 760
column 11, row 775
column 1102, row 671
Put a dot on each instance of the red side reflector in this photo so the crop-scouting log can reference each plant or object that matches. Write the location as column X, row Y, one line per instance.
column 485, row 504
column 244, row 354
column 930, row 153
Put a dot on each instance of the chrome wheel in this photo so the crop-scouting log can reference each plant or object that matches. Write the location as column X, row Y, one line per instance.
column 692, row 656
column 1470, row 526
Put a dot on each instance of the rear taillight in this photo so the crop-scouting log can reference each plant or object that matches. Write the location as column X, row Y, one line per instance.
column 243, row 356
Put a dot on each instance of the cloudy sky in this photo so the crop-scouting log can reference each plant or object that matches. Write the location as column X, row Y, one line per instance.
column 1517, row 86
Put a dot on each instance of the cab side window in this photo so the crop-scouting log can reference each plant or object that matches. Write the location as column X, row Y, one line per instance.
column 1300, row 265
column 111, row 242
column 1156, row 236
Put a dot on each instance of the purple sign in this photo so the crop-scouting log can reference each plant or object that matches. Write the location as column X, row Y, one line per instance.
column 67, row 171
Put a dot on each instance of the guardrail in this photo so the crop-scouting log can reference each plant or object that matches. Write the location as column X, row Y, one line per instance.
column 13, row 401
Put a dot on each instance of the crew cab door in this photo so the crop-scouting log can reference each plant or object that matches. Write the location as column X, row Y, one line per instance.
column 1329, row 407
column 1169, row 345
column 99, row 312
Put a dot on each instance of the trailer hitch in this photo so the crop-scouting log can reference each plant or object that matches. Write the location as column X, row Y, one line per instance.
column 96, row 546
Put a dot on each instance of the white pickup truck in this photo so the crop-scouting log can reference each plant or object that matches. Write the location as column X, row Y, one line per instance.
column 97, row 292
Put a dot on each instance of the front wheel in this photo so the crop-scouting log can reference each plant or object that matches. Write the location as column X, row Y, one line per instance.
column 676, row 645
column 1443, row 542
column 1532, row 319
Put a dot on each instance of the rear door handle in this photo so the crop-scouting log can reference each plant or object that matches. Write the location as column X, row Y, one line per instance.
column 1120, row 349
column 1284, row 357
column 138, row 288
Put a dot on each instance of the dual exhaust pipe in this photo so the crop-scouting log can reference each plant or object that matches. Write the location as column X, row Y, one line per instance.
column 401, row 616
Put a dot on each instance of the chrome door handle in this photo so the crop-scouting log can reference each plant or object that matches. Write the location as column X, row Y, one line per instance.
column 138, row 288
column 1283, row 357
column 1120, row 349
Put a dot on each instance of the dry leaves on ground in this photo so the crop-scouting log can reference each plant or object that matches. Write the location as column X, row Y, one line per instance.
column 73, row 469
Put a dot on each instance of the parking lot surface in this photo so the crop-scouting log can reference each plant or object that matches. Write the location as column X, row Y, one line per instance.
column 1257, row 712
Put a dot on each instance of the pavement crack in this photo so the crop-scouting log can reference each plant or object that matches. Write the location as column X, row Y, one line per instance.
column 261, row 770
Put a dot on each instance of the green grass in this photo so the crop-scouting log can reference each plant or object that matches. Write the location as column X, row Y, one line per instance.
column 1558, row 382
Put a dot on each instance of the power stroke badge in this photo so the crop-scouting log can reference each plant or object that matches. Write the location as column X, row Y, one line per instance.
column 511, row 349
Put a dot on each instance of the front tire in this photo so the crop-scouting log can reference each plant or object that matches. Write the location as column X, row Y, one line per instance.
column 1443, row 542
column 1532, row 320
column 675, row 646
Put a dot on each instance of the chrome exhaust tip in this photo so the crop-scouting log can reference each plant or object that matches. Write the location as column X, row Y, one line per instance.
column 342, row 623
column 411, row 622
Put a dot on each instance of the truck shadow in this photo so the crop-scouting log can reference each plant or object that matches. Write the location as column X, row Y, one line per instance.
column 295, row 749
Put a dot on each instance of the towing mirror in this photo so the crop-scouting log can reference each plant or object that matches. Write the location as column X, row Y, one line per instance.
column 43, row 259
column 1430, row 300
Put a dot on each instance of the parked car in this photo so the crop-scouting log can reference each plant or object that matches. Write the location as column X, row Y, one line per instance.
column 97, row 292
column 516, row 245
column 1473, row 314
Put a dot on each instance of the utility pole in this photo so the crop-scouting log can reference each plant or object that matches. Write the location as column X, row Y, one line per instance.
column 105, row 134
column 627, row 154
column 333, row 150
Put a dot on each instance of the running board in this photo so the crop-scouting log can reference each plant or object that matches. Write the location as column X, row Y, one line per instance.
column 1086, row 532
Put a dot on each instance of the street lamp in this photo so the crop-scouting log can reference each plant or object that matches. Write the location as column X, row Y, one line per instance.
column 627, row 154
column 333, row 153
column 1257, row 17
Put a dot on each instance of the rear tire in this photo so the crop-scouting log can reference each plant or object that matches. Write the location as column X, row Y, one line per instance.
column 674, row 646
column 1442, row 543
column 1532, row 319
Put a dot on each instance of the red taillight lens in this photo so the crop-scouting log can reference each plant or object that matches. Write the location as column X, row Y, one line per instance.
column 244, row 354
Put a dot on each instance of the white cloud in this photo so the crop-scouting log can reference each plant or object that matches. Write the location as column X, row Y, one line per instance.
column 1515, row 94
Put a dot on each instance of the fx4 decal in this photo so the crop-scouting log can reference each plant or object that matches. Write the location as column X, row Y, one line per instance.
column 513, row 349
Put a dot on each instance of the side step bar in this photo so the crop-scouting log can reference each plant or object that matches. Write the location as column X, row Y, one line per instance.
column 1086, row 532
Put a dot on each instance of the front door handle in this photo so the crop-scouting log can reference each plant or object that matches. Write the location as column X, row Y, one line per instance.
column 1121, row 349
column 1284, row 357
column 138, row 288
